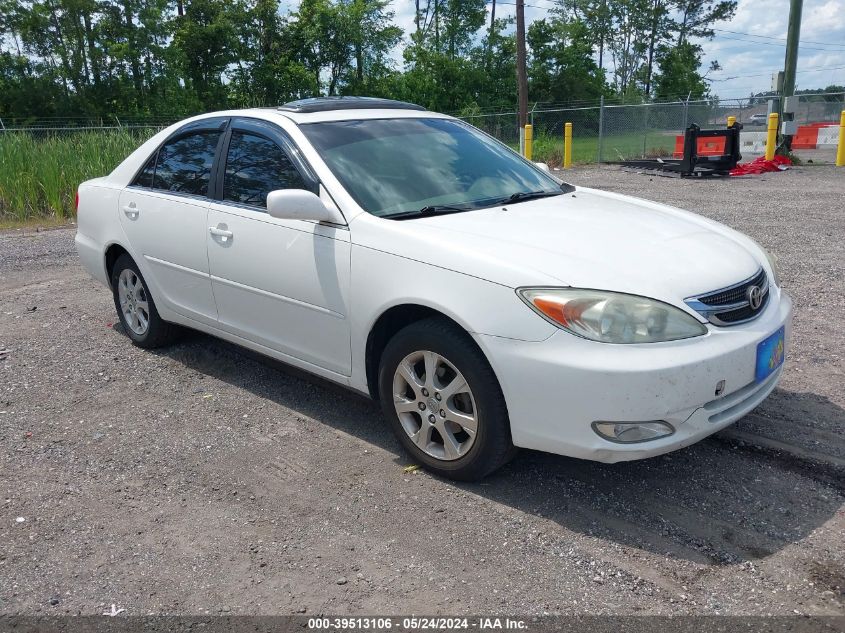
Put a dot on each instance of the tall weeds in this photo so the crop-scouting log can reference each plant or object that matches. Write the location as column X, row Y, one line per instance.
column 39, row 175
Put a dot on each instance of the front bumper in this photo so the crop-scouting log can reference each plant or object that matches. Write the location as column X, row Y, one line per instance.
column 555, row 389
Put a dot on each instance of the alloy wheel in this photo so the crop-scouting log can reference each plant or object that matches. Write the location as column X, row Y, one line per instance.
column 435, row 405
column 133, row 301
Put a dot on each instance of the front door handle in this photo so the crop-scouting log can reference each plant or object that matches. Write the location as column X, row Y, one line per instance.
column 223, row 234
column 131, row 210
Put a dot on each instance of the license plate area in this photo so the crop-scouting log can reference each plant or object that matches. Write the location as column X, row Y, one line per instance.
column 770, row 354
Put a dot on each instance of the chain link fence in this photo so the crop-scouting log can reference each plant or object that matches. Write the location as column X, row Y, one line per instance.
column 603, row 130
column 58, row 126
column 608, row 131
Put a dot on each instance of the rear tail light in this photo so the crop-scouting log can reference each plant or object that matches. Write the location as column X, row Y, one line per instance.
column 76, row 202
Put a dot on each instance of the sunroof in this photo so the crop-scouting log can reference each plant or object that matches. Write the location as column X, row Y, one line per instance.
column 325, row 104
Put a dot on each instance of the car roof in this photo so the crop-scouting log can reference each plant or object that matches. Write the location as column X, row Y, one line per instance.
column 368, row 108
column 372, row 111
column 328, row 104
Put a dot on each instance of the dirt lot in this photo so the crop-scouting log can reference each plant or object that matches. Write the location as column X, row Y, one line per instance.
column 203, row 479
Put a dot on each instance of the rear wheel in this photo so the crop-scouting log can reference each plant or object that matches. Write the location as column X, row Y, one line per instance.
column 443, row 401
column 136, row 309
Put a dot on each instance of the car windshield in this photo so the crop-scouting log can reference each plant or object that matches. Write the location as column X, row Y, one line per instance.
column 416, row 166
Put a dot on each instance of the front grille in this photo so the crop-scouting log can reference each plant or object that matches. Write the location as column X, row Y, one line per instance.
column 742, row 314
column 734, row 294
column 731, row 305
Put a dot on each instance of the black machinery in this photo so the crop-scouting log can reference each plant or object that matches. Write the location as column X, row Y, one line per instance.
column 692, row 163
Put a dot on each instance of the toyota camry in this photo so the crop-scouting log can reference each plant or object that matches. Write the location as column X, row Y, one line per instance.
column 405, row 254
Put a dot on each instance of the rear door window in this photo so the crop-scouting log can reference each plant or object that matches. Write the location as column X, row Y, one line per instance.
column 184, row 164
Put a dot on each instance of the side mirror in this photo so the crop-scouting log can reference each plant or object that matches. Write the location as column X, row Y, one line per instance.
column 299, row 204
column 542, row 166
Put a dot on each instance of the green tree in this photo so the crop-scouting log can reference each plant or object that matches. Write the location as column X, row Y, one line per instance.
column 697, row 17
column 628, row 42
column 372, row 38
column 679, row 75
column 461, row 20
column 561, row 66
column 267, row 68
column 498, row 83
column 204, row 42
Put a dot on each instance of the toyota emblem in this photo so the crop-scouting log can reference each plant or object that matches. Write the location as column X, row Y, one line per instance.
column 755, row 297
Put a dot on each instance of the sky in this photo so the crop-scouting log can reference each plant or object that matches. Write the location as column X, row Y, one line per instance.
column 748, row 62
column 749, row 48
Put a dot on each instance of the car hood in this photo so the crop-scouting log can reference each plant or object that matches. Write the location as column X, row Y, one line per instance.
column 586, row 239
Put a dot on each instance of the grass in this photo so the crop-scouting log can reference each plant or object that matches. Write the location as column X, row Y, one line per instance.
column 549, row 149
column 39, row 176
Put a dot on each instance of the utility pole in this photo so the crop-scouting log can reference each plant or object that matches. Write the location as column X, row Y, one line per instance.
column 656, row 10
column 602, row 33
column 791, row 61
column 521, row 76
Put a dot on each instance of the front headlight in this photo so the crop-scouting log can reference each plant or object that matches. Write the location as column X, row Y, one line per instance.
column 611, row 317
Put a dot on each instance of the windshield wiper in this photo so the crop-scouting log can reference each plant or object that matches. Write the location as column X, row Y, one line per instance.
column 428, row 210
column 519, row 196
column 439, row 209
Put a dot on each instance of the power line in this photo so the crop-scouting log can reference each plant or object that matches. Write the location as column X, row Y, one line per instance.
column 837, row 46
column 513, row 4
column 767, row 37
column 782, row 44
column 782, row 39
column 813, row 69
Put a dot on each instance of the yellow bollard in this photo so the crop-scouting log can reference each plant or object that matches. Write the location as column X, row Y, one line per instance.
column 772, row 136
column 567, row 146
column 840, row 149
column 529, row 137
column 731, row 121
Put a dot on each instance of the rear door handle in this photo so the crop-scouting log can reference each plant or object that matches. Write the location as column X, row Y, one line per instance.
column 131, row 210
column 223, row 234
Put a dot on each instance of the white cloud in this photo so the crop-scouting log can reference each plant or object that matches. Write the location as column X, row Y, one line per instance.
column 827, row 18
column 748, row 62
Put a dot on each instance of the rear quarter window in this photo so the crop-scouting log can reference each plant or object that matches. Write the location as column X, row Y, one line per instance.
column 145, row 178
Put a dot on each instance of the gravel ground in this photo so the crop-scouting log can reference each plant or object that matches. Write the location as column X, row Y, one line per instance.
column 203, row 479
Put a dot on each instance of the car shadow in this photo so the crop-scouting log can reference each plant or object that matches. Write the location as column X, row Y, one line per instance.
column 721, row 501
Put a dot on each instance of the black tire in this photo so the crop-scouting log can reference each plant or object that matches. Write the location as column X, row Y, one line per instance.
column 158, row 332
column 492, row 447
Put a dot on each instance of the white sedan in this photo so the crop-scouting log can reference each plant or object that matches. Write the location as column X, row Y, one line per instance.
column 407, row 255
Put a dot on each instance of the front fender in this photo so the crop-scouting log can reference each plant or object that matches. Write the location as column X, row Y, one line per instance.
column 381, row 281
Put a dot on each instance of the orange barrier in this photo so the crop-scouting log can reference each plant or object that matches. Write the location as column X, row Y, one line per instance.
column 706, row 146
column 807, row 136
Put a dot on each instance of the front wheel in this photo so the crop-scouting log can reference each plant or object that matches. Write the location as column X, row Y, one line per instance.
column 444, row 402
column 136, row 309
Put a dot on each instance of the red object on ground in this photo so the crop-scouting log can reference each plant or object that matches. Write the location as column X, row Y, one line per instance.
column 761, row 166
column 707, row 146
